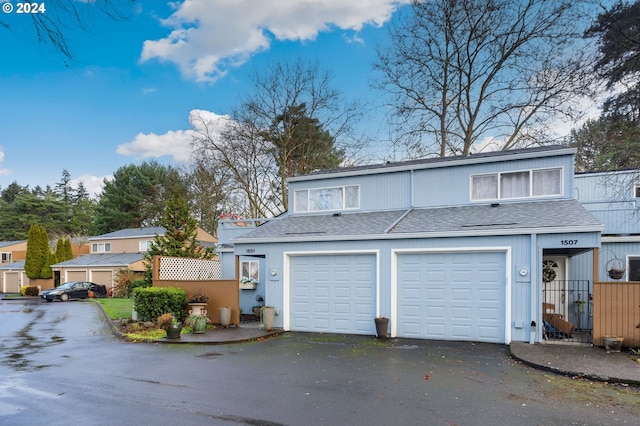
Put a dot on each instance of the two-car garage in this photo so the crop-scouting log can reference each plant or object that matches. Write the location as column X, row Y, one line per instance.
column 437, row 295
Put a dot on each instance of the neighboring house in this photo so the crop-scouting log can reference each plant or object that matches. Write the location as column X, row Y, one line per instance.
column 12, row 251
column 112, row 252
column 614, row 198
column 12, row 277
column 447, row 248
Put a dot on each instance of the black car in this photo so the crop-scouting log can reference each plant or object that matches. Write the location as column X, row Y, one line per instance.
column 73, row 290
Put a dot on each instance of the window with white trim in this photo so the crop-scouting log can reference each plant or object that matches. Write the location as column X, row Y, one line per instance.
column 6, row 257
column 633, row 272
column 144, row 245
column 327, row 199
column 513, row 185
column 101, row 248
column 636, row 190
column 250, row 271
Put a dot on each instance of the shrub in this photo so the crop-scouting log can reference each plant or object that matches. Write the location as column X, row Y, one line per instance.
column 31, row 291
column 151, row 302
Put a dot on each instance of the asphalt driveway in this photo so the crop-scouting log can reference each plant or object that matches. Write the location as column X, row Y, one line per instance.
column 61, row 364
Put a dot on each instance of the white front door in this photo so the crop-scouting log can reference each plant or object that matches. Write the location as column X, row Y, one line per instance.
column 554, row 284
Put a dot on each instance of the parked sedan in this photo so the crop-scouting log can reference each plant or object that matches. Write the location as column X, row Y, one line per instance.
column 73, row 290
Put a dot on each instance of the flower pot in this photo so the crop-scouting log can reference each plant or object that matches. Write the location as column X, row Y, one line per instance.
column 616, row 274
column 268, row 315
column 198, row 323
column 174, row 330
column 613, row 344
column 225, row 316
column 382, row 327
column 197, row 308
column 256, row 311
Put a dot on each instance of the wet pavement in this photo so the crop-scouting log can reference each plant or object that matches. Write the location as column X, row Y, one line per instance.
column 586, row 361
column 61, row 363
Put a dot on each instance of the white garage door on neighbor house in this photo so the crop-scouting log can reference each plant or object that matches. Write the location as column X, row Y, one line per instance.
column 452, row 296
column 333, row 293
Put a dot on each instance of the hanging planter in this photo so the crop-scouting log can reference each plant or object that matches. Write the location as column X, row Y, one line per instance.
column 615, row 268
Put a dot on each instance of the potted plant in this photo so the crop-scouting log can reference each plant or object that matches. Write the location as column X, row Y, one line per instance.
column 382, row 327
column 198, row 322
column 256, row 310
column 268, row 315
column 615, row 268
column 613, row 343
column 171, row 325
column 247, row 283
column 198, row 303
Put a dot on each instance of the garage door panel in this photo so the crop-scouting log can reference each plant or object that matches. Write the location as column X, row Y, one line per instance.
column 341, row 293
column 452, row 296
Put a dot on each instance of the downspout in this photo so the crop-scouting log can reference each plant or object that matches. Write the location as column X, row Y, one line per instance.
column 536, row 316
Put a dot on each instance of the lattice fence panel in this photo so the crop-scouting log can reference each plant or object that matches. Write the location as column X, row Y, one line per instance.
column 179, row 268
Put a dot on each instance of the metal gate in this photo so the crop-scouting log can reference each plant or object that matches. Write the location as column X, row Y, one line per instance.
column 567, row 311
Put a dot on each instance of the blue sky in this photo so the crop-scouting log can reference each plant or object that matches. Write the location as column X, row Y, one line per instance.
column 128, row 96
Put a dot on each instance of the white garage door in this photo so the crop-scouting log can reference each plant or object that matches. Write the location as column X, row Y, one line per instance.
column 12, row 282
column 452, row 296
column 333, row 294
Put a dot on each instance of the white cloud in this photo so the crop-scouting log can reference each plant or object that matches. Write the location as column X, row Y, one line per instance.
column 93, row 184
column 174, row 143
column 3, row 171
column 209, row 36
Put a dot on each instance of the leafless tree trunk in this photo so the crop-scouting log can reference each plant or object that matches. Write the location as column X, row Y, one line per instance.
column 464, row 71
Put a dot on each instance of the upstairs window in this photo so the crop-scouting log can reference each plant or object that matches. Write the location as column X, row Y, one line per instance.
column 326, row 199
column 144, row 245
column 6, row 258
column 636, row 190
column 520, row 184
column 101, row 248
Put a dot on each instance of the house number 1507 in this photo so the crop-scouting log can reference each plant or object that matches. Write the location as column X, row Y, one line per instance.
column 569, row 242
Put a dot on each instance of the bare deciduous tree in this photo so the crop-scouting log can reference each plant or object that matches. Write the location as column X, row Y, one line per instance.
column 292, row 106
column 54, row 19
column 466, row 70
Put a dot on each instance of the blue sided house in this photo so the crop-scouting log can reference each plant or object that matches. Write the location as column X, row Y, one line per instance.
column 486, row 247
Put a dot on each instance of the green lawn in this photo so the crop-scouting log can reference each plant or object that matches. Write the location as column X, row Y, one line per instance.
column 116, row 308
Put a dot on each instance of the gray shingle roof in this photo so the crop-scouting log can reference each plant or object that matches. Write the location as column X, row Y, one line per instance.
column 132, row 233
column 103, row 259
column 14, row 265
column 561, row 215
column 10, row 243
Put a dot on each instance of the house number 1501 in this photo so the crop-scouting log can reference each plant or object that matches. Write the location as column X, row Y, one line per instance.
column 569, row 242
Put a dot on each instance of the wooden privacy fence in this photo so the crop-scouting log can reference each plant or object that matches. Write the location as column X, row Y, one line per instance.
column 616, row 309
column 220, row 292
column 616, row 312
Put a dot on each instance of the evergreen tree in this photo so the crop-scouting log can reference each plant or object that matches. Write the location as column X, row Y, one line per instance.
column 63, row 250
column 38, row 252
column 180, row 238
column 68, row 252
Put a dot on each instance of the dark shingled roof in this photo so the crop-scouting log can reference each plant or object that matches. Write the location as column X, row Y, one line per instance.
column 132, row 233
column 461, row 220
column 103, row 259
